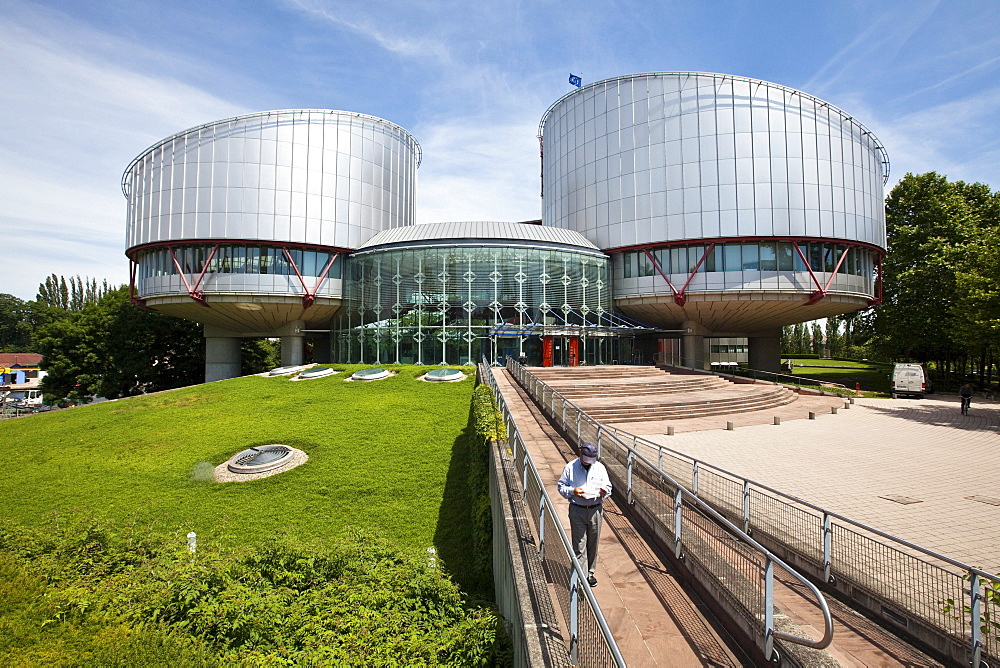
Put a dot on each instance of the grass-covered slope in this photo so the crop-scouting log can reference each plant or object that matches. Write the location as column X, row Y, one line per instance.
column 380, row 457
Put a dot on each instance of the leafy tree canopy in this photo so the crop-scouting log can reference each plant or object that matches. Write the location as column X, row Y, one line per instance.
column 112, row 349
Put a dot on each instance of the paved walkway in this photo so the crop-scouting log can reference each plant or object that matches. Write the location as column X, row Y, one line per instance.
column 651, row 613
column 648, row 608
column 917, row 469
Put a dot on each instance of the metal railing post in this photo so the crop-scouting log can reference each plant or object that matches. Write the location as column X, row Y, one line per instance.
column 629, row 486
column 579, row 418
column 541, row 526
column 659, row 460
column 524, row 475
column 694, row 478
column 678, row 506
column 574, row 623
column 827, row 547
column 746, row 507
column 600, row 450
column 768, row 608
column 975, row 614
column 564, row 416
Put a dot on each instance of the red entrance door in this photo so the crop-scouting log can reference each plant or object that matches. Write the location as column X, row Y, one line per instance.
column 546, row 351
column 574, row 351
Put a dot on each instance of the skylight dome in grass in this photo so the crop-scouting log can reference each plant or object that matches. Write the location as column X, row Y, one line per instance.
column 259, row 459
column 444, row 375
column 318, row 372
column 370, row 374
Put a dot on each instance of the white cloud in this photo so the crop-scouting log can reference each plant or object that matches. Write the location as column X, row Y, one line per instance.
column 956, row 138
column 474, row 170
column 70, row 122
column 355, row 20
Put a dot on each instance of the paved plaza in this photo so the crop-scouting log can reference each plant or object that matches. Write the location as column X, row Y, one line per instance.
column 916, row 469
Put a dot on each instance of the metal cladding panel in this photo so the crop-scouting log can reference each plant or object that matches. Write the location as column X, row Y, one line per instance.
column 479, row 230
column 664, row 157
column 328, row 178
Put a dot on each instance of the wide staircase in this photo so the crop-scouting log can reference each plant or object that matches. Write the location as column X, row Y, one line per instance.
column 644, row 393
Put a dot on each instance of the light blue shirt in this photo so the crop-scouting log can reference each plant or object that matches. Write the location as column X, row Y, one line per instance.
column 574, row 475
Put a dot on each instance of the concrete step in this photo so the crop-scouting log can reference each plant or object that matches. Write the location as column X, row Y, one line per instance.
column 691, row 412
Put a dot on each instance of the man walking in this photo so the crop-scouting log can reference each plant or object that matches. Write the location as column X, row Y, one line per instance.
column 584, row 481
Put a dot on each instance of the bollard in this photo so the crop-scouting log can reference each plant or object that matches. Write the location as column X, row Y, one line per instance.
column 670, row 430
column 777, row 420
column 851, row 400
column 729, row 426
column 833, row 409
column 812, row 416
column 846, row 405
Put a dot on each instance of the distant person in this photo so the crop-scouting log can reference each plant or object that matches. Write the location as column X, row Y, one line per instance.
column 966, row 393
column 584, row 481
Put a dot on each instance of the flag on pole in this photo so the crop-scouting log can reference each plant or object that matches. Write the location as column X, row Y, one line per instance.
column 575, row 80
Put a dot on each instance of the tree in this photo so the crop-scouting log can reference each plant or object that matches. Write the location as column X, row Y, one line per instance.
column 70, row 295
column 112, row 349
column 259, row 355
column 817, row 339
column 834, row 339
column 941, row 275
column 15, row 328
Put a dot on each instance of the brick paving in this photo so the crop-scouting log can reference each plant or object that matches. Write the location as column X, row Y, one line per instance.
column 652, row 617
column 855, row 462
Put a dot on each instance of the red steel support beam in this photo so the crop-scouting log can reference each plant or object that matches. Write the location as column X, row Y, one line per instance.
column 878, row 282
column 679, row 298
column 310, row 295
column 133, row 290
column 193, row 293
column 819, row 294
column 660, row 271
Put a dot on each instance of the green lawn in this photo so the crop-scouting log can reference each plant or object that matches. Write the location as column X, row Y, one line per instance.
column 388, row 455
column 847, row 373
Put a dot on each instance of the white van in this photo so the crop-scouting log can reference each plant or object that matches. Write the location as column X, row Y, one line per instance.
column 909, row 380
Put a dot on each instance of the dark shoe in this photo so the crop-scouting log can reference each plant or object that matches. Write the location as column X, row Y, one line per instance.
column 591, row 580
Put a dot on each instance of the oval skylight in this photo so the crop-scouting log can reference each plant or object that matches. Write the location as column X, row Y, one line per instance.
column 370, row 374
column 444, row 375
column 316, row 373
column 282, row 371
column 260, row 458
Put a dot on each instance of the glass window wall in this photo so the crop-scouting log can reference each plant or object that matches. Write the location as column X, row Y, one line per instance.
column 455, row 305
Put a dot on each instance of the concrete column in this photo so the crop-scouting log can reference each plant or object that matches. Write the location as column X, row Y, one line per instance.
column 764, row 352
column 292, row 350
column 693, row 344
column 222, row 357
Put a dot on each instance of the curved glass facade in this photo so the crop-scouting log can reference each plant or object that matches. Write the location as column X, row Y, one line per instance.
column 453, row 305
column 329, row 178
column 671, row 156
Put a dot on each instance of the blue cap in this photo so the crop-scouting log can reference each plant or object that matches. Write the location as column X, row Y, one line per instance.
column 588, row 453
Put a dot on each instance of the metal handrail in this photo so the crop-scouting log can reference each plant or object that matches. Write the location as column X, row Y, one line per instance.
column 578, row 578
column 697, row 463
column 977, row 577
column 793, row 380
column 769, row 631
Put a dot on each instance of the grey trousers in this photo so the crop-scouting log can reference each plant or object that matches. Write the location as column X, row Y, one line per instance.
column 585, row 533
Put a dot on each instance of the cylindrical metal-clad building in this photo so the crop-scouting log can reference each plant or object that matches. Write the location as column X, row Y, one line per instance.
column 243, row 224
column 730, row 206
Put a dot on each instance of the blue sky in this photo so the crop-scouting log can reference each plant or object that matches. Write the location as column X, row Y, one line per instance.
column 86, row 85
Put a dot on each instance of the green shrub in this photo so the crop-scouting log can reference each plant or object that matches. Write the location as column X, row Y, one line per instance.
column 358, row 600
